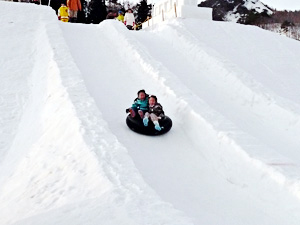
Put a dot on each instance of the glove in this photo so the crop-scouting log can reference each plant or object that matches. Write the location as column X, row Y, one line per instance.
column 133, row 24
column 59, row 18
column 125, row 23
column 127, row 110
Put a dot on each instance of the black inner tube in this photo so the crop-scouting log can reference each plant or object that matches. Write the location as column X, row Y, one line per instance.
column 136, row 125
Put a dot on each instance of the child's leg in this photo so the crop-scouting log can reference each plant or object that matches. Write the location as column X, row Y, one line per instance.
column 132, row 112
column 146, row 119
column 141, row 113
column 154, row 119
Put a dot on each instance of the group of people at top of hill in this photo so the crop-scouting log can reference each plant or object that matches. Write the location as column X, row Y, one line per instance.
column 147, row 107
column 128, row 19
column 68, row 13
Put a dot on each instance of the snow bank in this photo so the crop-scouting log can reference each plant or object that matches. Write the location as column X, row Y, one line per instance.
column 166, row 9
column 63, row 164
column 67, row 156
column 278, row 117
column 208, row 159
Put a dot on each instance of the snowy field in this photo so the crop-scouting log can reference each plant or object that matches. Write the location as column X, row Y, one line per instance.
column 67, row 156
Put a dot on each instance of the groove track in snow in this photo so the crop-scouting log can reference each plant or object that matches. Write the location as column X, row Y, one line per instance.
column 206, row 154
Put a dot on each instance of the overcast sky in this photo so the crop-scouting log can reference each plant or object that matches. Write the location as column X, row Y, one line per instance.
column 283, row 4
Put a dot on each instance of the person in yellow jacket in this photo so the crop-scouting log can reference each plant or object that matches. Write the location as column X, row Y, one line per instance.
column 74, row 6
column 63, row 13
column 120, row 16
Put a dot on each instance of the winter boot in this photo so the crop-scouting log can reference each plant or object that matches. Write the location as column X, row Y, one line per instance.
column 145, row 121
column 156, row 126
column 132, row 113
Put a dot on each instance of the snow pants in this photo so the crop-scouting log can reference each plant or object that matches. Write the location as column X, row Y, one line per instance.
column 129, row 27
column 139, row 112
column 152, row 116
column 73, row 15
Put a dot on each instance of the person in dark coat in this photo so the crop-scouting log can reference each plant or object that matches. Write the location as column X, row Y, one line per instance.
column 110, row 15
column 155, row 113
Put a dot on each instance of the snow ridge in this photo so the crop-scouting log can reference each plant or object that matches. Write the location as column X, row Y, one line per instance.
column 246, row 92
column 226, row 134
column 69, row 158
column 68, row 155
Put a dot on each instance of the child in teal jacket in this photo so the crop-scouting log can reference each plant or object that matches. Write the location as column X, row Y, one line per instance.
column 140, row 105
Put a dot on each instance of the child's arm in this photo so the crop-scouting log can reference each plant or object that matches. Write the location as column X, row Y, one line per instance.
column 158, row 109
column 135, row 104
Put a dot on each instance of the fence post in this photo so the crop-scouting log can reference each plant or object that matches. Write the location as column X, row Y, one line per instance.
column 175, row 9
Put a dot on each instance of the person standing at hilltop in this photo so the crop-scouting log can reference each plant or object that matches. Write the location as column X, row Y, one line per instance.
column 120, row 16
column 74, row 6
column 63, row 14
column 129, row 20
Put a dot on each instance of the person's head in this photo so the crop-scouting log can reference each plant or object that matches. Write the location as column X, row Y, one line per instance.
column 152, row 100
column 129, row 10
column 141, row 94
column 120, row 12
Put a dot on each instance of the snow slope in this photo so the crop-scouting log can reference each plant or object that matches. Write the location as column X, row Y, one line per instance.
column 67, row 156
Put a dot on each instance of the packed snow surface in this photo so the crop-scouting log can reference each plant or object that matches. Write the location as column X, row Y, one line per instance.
column 67, row 156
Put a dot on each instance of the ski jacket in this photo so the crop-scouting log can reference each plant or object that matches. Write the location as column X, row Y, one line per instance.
column 63, row 13
column 74, row 5
column 129, row 19
column 157, row 109
column 141, row 104
column 120, row 18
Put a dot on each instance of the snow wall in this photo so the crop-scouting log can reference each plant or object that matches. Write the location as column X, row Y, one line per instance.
column 60, row 163
column 167, row 9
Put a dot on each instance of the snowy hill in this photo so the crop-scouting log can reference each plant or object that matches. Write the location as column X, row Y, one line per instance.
column 67, row 156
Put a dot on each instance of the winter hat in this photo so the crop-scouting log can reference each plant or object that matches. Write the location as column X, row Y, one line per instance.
column 141, row 91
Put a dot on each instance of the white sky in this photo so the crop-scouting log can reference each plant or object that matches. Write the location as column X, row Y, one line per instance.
column 283, row 4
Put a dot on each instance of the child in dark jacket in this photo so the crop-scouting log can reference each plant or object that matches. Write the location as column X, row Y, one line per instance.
column 155, row 113
column 140, row 105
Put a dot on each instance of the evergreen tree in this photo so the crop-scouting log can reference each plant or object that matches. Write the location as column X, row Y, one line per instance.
column 55, row 4
column 96, row 11
column 143, row 11
column 287, row 24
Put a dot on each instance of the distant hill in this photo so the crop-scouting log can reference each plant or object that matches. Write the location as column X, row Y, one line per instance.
column 255, row 12
column 240, row 11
